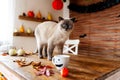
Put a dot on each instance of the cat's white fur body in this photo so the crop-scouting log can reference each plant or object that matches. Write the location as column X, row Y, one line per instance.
column 50, row 34
column 50, row 30
column 44, row 31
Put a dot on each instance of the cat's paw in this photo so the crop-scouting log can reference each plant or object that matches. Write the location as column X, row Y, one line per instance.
column 45, row 55
column 40, row 57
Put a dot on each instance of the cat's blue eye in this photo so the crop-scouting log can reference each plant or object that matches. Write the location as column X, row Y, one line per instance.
column 64, row 25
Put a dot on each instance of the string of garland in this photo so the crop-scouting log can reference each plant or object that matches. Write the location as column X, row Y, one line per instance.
column 93, row 7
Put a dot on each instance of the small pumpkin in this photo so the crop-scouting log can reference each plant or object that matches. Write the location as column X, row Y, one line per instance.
column 15, row 30
column 30, row 14
column 29, row 31
column 12, row 52
column 21, row 52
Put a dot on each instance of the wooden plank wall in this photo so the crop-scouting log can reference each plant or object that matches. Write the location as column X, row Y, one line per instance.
column 102, row 29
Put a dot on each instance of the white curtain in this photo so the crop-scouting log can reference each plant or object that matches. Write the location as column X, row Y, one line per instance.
column 6, row 21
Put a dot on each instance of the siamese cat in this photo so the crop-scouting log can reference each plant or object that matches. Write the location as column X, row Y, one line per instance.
column 50, row 34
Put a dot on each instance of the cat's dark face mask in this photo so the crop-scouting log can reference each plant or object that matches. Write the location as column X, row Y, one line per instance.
column 67, row 24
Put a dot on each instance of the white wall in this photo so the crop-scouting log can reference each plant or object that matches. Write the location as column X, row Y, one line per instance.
column 65, row 9
column 44, row 6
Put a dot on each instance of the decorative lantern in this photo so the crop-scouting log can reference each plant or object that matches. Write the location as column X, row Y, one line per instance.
column 57, row 4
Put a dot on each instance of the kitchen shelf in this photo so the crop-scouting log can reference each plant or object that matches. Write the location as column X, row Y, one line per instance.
column 33, row 19
column 23, row 34
column 29, row 19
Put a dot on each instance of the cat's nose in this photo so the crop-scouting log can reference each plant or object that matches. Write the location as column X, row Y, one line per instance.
column 70, row 27
column 67, row 27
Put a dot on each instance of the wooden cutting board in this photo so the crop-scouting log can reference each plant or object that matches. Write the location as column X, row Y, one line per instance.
column 14, row 72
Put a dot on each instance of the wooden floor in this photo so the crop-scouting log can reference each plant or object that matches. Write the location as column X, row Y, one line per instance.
column 94, row 65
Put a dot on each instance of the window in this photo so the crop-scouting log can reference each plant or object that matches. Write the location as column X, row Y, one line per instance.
column 6, row 21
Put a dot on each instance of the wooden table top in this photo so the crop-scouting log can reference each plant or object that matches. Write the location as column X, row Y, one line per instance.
column 81, row 67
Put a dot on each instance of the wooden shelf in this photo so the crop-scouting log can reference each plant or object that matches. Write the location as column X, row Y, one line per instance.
column 29, row 19
column 33, row 19
column 23, row 34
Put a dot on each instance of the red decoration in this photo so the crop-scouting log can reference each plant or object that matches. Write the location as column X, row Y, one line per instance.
column 57, row 4
column 64, row 72
column 30, row 13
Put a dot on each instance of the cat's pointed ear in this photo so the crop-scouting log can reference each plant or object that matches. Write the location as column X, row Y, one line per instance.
column 73, row 19
column 60, row 18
